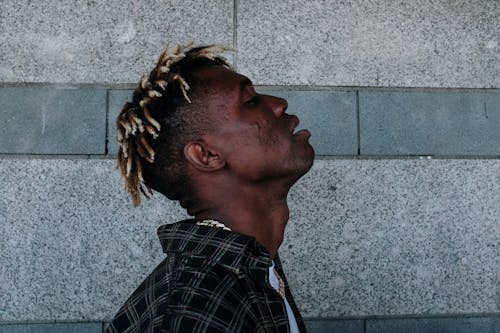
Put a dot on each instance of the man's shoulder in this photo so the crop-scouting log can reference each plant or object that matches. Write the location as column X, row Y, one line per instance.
column 210, row 276
column 197, row 271
column 184, row 289
column 181, row 272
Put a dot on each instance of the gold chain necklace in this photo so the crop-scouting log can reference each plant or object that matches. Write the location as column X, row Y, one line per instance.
column 281, row 289
column 213, row 224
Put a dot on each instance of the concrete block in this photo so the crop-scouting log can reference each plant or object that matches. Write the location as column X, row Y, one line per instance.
column 395, row 237
column 365, row 237
column 116, row 100
column 329, row 115
column 53, row 121
column 334, row 326
column 52, row 328
column 72, row 246
column 434, row 325
column 370, row 43
column 429, row 122
column 102, row 41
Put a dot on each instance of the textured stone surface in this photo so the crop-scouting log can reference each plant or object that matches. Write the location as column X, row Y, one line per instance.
column 407, row 325
column 370, row 43
column 334, row 326
column 434, row 325
column 366, row 237
column 52, row 328
column 72, row 247
column 101, row 41
column 329, row 115
column 386, row 237
column 52, row 120
column 429, row 123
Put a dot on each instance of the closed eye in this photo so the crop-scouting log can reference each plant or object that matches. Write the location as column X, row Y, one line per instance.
column 253, row 101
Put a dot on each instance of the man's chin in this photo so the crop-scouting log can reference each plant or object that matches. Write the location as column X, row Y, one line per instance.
column 310, row 159
column 304, row 165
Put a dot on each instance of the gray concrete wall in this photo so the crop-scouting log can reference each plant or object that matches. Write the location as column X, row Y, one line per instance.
column 417, row 43
column 395, row 229
column 101, row 41
column 365, row 237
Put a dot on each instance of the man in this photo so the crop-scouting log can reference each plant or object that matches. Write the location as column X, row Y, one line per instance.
column 198, row 132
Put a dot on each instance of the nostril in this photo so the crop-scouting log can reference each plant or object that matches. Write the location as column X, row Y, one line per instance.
column 277, row 104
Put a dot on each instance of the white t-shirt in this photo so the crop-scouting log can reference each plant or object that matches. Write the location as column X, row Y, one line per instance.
column 273, row 280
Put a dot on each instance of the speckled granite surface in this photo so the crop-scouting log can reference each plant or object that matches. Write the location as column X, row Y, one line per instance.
column 366, row 237
column 102, row 41
column 72, row 246
column 370, row 43
column 390, row 237
column 343, row 43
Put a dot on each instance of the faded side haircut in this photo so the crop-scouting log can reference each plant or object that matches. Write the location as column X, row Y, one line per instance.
column 153, row 129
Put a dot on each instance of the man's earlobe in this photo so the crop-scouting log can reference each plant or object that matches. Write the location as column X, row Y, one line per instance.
column 203, row 158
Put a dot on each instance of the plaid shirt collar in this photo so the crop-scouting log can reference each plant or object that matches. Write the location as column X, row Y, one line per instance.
column 228, row 248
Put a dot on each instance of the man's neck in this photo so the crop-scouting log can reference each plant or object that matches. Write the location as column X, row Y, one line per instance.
column 261, row 212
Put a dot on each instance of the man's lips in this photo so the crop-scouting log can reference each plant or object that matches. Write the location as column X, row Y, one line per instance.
column 295, row 122
column 302, row 132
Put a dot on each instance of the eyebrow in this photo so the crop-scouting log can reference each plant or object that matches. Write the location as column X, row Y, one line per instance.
column 244, row 83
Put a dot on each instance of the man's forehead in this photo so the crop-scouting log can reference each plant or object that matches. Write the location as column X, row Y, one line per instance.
column 222, row 77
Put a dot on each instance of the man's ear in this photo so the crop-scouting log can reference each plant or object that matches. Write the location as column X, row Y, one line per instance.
column 201, row 157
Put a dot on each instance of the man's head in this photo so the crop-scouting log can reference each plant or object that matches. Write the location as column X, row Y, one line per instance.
column 252, row 135
column 193, row 115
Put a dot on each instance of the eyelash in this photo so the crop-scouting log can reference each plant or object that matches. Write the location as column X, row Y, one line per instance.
column 253, row 101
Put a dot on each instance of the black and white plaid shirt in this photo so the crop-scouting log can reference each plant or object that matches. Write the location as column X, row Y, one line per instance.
column 212, row 280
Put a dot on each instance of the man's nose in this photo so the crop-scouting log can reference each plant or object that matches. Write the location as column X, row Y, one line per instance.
column 277, row 104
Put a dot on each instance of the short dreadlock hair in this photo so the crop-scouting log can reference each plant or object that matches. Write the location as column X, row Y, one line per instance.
column 153, row 129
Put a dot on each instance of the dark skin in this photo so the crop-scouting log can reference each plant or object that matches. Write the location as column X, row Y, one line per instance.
column 243, row 169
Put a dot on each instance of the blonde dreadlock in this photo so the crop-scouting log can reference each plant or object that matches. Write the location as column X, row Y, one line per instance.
column 137, row 129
